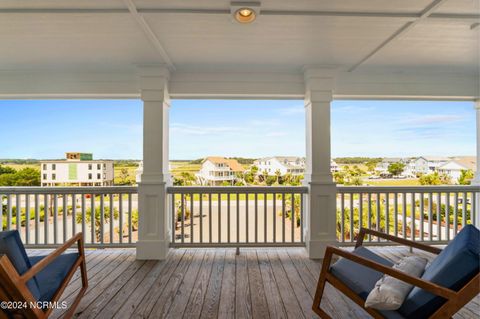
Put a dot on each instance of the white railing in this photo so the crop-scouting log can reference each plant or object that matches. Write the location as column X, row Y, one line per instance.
column 48, row 216
column 432, row 214
column 237, row 216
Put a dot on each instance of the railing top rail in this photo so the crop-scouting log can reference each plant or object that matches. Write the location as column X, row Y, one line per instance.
column 237, row 189
column 69, row 190
column 408, row 189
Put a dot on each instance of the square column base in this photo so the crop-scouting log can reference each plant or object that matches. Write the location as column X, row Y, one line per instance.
column 152, row 249
column 316, row 248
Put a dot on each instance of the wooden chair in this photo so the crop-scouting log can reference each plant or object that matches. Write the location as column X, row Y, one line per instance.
column 366, row 264
column 39, row 281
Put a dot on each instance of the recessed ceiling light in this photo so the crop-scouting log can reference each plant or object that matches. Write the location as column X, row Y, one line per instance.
column 245, row 15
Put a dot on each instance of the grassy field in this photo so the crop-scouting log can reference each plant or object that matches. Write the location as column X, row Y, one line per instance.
column 20, row 166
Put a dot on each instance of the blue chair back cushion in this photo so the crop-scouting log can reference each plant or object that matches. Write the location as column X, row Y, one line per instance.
column 12, row 246
column 51, row 277
column 456, row 265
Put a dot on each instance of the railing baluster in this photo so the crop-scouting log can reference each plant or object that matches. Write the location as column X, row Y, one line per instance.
column 265, row 217
column 439, row 216
column 404, row 215
column 422, row 212
column 102, row 217
column 182, row 217
column 9, row 212
column 293, row 217
column 64, row 217
column 395, row 211
column 219, row 220
column 274, row 217
column 18, row 217
column 447, row 215
column 283, row 217
column 379, row 204
column 210, row 218
column 130, row 226
column 464, row 209
column 430, row 216
column 92, row 218
column 174, row 217
column 37, row 220
column 342, row 217
column 301, row 218
column 27, row 217
column 413, row 218
column 238, row 217
column 55, row 218
column 228, row 217
column 473, row 208
column 74, row 214
column 192, row 196
column 201, row 216
column 112, row 216
column 455, row 214
column 45, row 218
column 120, row 217
column 256, row 218
column 360, row 210
column 369, row 214
column 387, row 212
column 247, row 228
column 351, row 217
column 84, row 226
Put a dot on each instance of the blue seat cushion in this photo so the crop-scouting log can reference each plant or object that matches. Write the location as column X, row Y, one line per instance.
column 457, row 264
column 359, row 278
column 11, row 245
column 51, row 277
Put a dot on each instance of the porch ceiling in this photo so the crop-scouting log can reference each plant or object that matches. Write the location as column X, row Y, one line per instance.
column 416, row 38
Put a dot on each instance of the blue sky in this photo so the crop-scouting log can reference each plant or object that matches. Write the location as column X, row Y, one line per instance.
column 113, row 128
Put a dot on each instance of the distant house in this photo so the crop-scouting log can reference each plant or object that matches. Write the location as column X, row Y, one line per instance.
column 382, row 167
column 283, row 164
column 334, row 167
column 216, row 170
column 429, row 164
column 454, row 167
column 79, row 169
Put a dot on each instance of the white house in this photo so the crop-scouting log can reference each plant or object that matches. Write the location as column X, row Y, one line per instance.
column 429, row 164
column 454, row 167
column 382, row 167
column 334, row 167
column 78, row 169
column 283, row 164
column 216, row 170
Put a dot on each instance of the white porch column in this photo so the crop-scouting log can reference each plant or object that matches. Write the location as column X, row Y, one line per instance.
column 476, row 180
column 321, row 203
column 153, row 232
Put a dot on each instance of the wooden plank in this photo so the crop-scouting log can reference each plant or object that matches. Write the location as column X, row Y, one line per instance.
column 227, row 295
column 158, row 301
column 115, row 294
column 290, row 303
column 243, row 304
column 259, row 301
column 98, row 286
column 184, row 291
column 155, row 281
column 274, row 300
column 304, row 298
column 212, row 298
column 199, row 290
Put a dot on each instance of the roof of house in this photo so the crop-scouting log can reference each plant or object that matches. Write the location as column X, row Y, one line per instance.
column 232, row 163
column 469, row 162
column 436, row 158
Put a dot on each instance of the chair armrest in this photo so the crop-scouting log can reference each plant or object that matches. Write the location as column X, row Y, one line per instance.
column 427, row 285
column 78, row 238
column 403, row 241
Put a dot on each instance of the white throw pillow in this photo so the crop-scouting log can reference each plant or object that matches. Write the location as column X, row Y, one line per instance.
column 389, row 292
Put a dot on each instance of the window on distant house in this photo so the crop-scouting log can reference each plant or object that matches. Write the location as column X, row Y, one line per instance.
column 99, row 166
column 54, row 177
column 90, row 176
column 104, row 166
column 90, row 167
column 44, row 175
column 54, row 167
column 99, row 176
column 44, row 166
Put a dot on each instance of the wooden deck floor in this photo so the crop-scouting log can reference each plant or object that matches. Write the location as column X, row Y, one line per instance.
column 212, row 283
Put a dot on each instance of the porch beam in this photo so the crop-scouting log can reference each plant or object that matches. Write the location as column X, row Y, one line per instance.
column 153, row 232
column 321, row 203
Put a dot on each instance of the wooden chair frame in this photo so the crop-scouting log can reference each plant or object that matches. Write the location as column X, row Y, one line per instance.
column 13, row 286
column 455, row 299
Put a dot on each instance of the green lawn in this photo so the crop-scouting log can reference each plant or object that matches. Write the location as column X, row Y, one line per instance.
column 391, row 182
